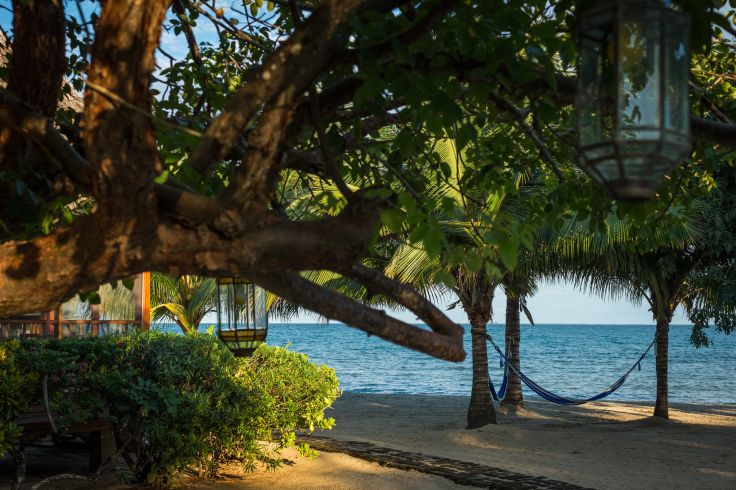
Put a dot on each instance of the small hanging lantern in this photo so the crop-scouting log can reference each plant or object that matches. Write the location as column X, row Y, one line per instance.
column 242, row 319
column 632, row 98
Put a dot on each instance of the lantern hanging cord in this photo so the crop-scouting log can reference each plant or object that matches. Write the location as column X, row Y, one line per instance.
column 544, row 152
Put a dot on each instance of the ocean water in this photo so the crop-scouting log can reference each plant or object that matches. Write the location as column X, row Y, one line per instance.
column 570, row 360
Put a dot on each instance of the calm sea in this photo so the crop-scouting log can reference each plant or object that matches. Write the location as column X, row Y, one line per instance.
column 571, row 360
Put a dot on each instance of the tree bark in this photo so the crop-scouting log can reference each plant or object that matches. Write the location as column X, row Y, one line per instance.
column 477, row 301
column 37, row 63
column 661, row 406
column 514, row 396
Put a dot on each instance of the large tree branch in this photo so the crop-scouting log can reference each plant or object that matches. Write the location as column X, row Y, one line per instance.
column 287, row 71
column 88, row 253
column 15, row 114
column 713, row 131
column 119, row 142
column 330, row 304
column 37, row 65
column 37, row 61
column 406, row 296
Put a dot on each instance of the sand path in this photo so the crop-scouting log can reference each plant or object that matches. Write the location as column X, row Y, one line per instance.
column 600, row 445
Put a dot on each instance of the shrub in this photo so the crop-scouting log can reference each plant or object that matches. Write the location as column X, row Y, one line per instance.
column 183, row 401
column 290, row 393
column 13, row 400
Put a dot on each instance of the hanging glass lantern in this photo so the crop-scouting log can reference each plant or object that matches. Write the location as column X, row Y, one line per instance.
column 632, row 98
column 242, row 319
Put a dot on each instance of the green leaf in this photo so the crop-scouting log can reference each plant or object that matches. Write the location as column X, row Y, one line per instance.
column 473, row 262
column 432, row 242
column 509, row 254
column 465, row 135
column 128, row 283
column 161, row 179
column 446, row 278
column 393, row 219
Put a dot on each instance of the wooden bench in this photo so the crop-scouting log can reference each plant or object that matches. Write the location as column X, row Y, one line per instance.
column 36, row 424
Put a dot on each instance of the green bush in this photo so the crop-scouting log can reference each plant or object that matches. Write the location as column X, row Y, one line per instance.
column 13, row 398
column 183, row 401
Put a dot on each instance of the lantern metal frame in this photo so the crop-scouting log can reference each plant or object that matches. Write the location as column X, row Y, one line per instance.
column 241, row 340
column 671, row 146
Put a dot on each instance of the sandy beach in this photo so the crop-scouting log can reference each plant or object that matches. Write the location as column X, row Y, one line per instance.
column 599, row 445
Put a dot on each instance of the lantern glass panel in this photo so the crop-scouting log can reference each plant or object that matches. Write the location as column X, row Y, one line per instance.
column 225, row 313
column 639, row 79
column 597, row 89
column 677, row 69
column 260, row 319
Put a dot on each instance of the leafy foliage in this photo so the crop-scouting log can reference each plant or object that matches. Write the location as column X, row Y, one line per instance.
column 13, row 395
column 182, row 401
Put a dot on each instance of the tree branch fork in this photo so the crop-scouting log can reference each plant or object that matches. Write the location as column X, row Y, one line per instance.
column 142, row 225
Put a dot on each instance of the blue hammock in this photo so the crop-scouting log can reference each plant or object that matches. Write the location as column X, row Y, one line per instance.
column 548, row 395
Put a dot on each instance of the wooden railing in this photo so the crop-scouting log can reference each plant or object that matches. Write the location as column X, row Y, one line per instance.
column 46, row 328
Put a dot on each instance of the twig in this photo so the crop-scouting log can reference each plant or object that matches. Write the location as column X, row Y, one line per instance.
column 327, row 154
column 530, row 132
column 45, row 387
column 228, row 26
column 115, row 97
column 84, row 21
column 178, row 8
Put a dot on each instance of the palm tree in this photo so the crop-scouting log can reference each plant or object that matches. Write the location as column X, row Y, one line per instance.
column 476, row 280
column 184, row 300
column 661, row 278
column 518, row 286
column 666, row 276
column 475, row 291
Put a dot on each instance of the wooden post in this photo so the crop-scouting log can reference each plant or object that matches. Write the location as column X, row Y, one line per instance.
column 49, row 329
column 146, row 303
column 142, row 293
column 94, row 321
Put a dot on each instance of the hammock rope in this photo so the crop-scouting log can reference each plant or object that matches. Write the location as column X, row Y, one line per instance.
column 548, row 395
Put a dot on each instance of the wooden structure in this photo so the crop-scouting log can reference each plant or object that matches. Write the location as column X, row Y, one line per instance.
column 93, row 320
column 125, row 310
column 37, row 423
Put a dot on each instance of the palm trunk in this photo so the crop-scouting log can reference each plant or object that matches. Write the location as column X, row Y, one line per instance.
column 661, row 406
column 476, row 295
column 514, row 396
column 480, row 410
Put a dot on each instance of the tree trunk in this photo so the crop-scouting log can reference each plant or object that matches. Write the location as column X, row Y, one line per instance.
column 480, row 410
column 514, row 396
column 661, row 406
column 477, row 298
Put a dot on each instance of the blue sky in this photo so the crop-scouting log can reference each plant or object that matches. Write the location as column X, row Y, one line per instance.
column 554, row 303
